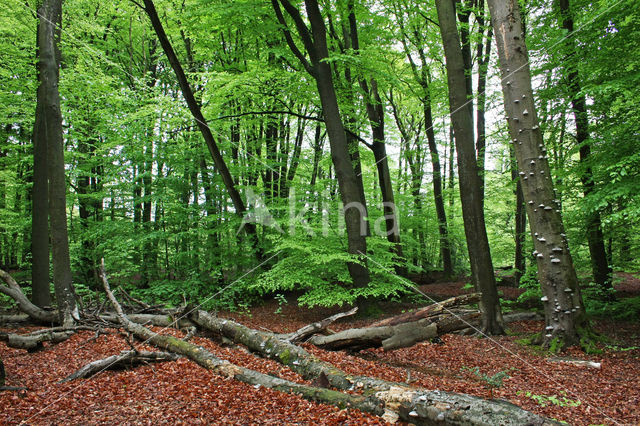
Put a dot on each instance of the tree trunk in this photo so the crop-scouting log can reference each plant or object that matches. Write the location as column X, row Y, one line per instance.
column 565, row 317
column 194, row 107
column 441, row 214
column 423, row 77
column 40, row 292
column 378, row 146
column 125, row 359
column 354, row 209
column 483, row 53
column 48, row 97
column 599, row 264
column 519, row 263
column 375, row 114
column 470, row 196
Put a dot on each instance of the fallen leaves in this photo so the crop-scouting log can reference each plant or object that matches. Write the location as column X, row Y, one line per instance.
column 183, row 392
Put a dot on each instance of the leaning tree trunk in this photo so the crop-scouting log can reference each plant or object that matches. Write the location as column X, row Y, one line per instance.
column 315, row 42
column 194, row 107
column 49, row 104
column 470, row 194
column 565, row 317
column 599, row 263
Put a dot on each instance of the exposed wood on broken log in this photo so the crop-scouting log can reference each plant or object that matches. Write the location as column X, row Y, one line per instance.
column 576, row 362
column 431, row 310
column 124, row 360
column 400, row 402
column 308, row 330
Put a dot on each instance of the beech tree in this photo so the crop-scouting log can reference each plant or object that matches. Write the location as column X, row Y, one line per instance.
column 566, row 322
column 315, row 44
column 470, row 193
column 48, row 132
column 599, row 263
column 413, row 38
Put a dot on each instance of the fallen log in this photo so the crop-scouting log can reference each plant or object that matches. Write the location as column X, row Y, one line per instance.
column 167, row 320
column 13, row 318
column 33, row 341
column 437, row 308
column 224, row 368
column 13, row 290
column 308, row 330
column 395, row 336
column 400, row 401
column 124, row 360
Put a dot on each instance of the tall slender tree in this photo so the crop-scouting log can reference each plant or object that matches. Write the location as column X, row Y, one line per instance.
column 411, row 34
column 201, row 122
column 470, row 195
column 595, row 238
column 565, row 317
column 315, row 44
column 48, row 130
column 376, row 115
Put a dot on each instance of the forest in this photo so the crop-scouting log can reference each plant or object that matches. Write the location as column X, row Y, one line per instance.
column 320, row 212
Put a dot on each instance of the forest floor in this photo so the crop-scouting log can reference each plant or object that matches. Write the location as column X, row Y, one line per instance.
column 182, row 392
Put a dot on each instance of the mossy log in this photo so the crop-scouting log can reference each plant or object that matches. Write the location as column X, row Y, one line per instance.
column 224, row 368
column 124, row 360
column 399, row 401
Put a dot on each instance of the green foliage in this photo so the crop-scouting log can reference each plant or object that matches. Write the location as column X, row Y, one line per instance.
column 491, row 382
column 603, row 303
column 282, row 300
column 547, row 400
column 317, row 267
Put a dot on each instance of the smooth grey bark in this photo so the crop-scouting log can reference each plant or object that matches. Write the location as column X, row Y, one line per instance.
column 565, row 317
column 375, row 114
column 40, row 292
column 470, row 195
column 48, row 99
column 315, row 42
column 483, row 55
column 599, row 263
